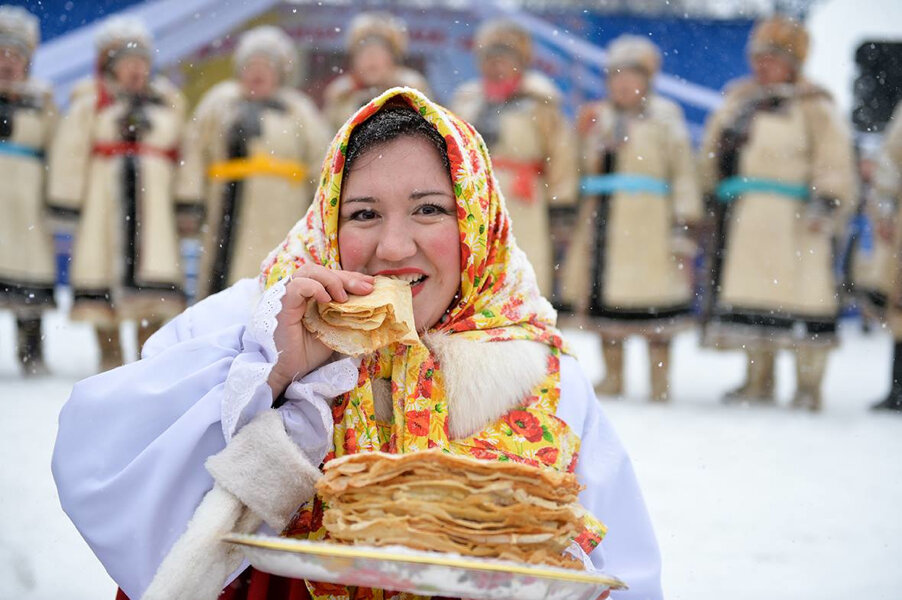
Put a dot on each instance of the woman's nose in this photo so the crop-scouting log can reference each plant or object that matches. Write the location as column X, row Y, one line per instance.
column 397, row 242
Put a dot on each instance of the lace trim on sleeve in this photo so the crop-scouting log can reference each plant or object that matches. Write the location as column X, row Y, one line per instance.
column 246, row 388
column 307, row 414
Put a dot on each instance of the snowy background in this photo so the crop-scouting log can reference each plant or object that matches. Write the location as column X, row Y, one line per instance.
column 748, row 502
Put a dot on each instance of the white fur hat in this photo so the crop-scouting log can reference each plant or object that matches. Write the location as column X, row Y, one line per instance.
column 503, row 33
column 19, row 29
column 383, row 26
column 634, row 52
column 119, row 36
column 274, row 44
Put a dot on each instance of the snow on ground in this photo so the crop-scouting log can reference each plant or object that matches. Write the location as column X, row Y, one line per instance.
column 748, row 502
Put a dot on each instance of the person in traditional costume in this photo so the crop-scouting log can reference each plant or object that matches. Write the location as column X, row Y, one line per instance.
column 407, row 191
column 112, row 168
column 629, row 267
column 518, row 112
column 376, row 46
column 867, row 246
column 27, row 120
column 248, row 159
column 883, row 208
column 777, row 159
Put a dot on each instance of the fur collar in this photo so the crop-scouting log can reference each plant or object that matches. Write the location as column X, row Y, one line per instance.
column 483, row 380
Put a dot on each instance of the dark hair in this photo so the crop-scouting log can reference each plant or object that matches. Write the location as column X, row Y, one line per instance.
column 390, row 123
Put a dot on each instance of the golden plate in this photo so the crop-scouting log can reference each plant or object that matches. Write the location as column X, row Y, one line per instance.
column 418, row 571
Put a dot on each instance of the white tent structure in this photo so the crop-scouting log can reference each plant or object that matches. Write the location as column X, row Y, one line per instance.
column 180, row 27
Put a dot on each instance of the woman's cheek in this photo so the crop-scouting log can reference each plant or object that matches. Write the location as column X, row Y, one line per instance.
column 446, row 248
column 354, row 253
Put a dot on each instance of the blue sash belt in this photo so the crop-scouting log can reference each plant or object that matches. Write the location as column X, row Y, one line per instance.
column 20, row 150
column 623, row 182
column 730, row 188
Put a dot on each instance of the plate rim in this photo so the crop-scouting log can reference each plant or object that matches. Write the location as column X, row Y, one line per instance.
column 374, row 552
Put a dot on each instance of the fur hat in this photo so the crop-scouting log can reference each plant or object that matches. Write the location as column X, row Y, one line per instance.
column 381, row 26
column 274, row 44
column 120, row 36
column 634, row 52
column 505, row 35
column 782, row 36
column 19, row 29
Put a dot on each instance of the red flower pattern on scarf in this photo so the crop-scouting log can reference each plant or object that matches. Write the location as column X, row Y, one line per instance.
column 525, row 424
column 548, row 455
column 418, row 422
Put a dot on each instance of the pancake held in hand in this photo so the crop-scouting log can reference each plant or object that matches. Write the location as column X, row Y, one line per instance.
column 448, row 503
column 365, row 323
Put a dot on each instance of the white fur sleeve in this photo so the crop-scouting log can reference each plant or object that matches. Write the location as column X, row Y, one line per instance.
column 629, row 551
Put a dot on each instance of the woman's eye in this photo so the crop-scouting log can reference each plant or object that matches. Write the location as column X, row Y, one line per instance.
column 362, row 215
column 430, row 210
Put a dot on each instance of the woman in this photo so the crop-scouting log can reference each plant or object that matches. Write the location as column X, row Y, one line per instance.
column 27, row 120
column 386, row 205
column 633, row 233
column 112, row 166
column 376, row 47
column 778, row 157
column 249, row 159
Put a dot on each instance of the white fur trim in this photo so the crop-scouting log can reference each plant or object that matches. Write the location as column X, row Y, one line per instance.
column 197, row 566
column 485, row 380
column 261, row 475
column 265, row 470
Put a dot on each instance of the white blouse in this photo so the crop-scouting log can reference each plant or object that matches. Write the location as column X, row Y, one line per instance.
column 129, row 456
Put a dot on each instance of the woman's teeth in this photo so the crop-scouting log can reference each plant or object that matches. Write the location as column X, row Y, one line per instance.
column 411, row 278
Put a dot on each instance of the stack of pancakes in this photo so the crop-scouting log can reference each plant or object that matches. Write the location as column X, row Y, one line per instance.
column 437, row 501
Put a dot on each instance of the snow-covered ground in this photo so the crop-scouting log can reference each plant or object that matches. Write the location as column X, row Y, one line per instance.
column 748, row 502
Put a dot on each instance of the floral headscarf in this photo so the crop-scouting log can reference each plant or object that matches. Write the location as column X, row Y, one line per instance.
column 499, row 299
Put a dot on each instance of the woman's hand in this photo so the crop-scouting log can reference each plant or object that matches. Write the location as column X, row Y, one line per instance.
column 299, row 350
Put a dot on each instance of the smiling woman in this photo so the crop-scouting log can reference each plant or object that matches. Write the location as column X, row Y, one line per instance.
column 406, row 192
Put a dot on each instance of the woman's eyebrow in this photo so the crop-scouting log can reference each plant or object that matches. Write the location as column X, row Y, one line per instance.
column 360, row 199
column 418, row 195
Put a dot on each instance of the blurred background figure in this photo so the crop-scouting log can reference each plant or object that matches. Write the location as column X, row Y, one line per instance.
column 866, row 254
column 112, row 166
column 251, row 156
column 883, row 205
column 629, row 268
column 518, row 112
column 27, row 119
column 777, row 159
column 376, row 46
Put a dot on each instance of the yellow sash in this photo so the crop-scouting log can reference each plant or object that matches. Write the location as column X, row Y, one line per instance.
column 258, row 164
